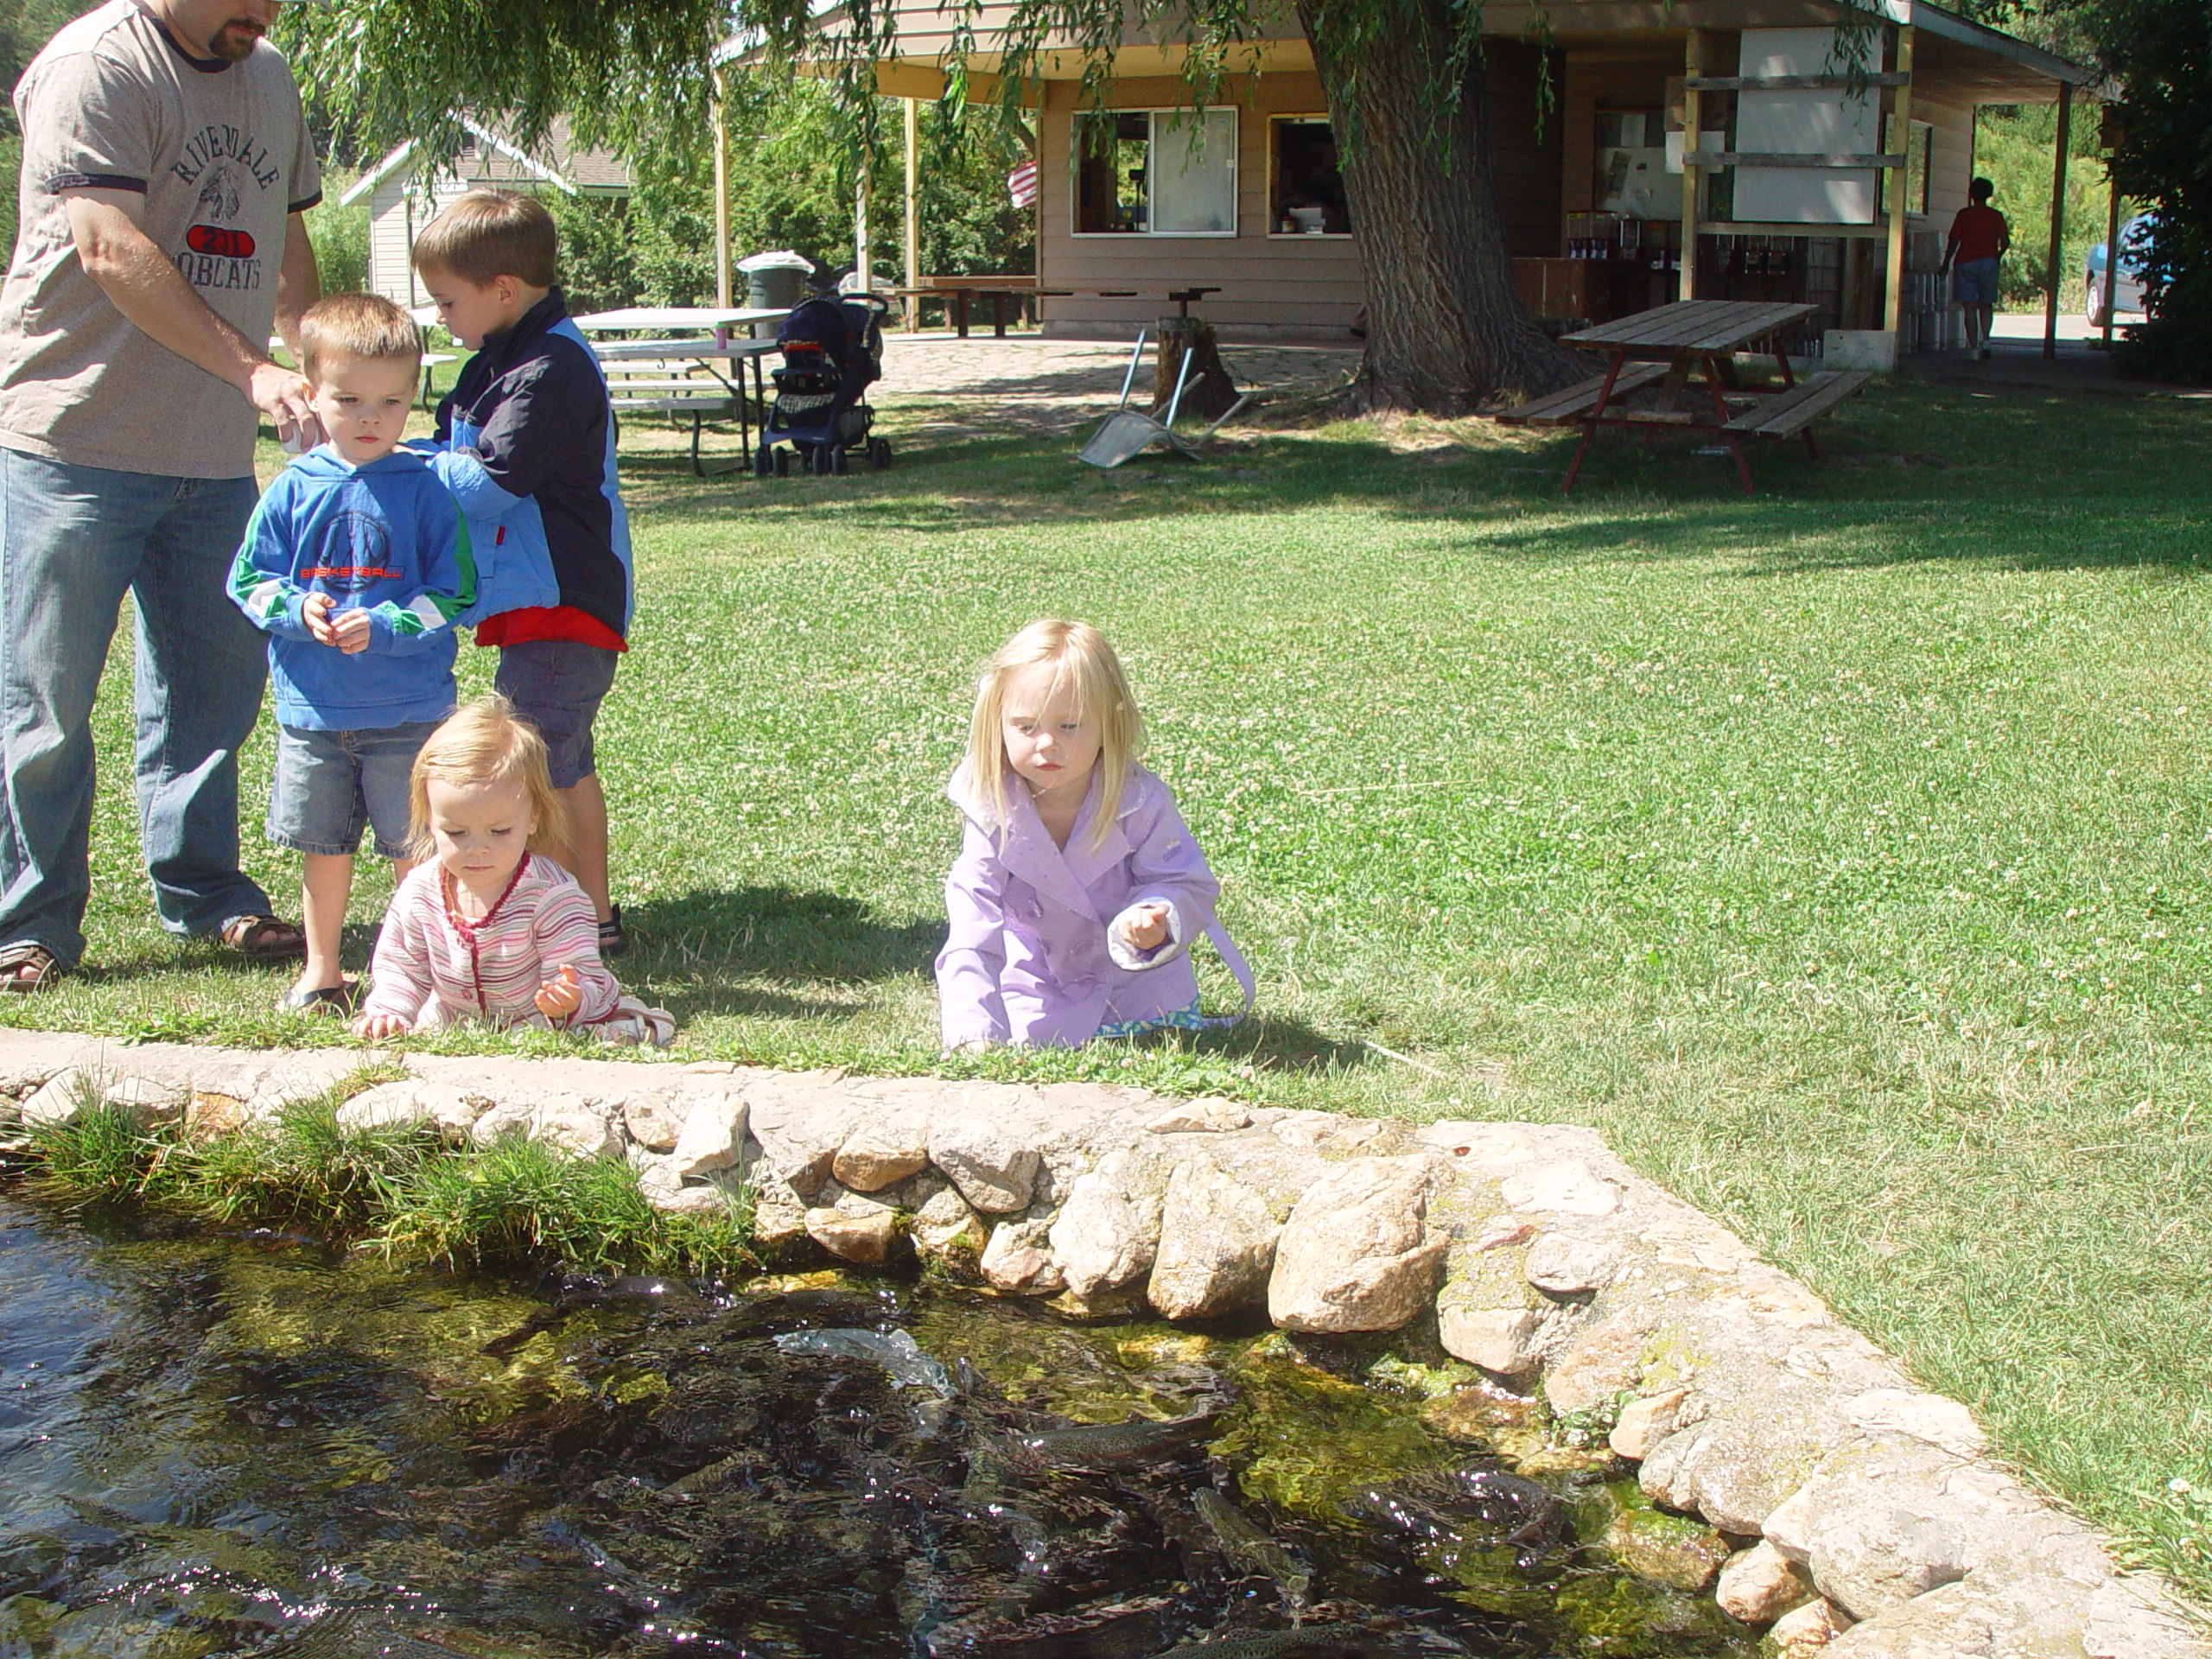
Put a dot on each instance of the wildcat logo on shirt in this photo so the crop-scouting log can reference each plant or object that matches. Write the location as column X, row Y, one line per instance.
column 225, row 162
column 354, row 552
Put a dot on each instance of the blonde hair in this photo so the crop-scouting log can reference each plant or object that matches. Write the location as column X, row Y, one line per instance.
column 366, row 328
column 488, row 234
column 1082, row 662
column 484, row 742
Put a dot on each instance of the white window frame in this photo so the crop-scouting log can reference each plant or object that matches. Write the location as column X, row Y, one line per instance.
column 1151, row 144
column 1275, row 177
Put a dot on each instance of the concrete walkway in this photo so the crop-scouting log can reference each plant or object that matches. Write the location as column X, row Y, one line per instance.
column 2017, row 363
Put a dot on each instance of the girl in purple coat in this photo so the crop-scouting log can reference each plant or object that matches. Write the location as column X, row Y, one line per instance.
column 1078, row 889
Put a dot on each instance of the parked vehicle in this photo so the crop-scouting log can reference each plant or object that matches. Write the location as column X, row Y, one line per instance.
column 2125, row 292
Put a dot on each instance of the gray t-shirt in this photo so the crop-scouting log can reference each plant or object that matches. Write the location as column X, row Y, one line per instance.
column 222, row 155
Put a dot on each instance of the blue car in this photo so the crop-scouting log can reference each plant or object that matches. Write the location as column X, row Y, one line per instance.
column 2125, row 292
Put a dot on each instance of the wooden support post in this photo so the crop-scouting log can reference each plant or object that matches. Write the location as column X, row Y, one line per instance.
column 1894, row 188
column 2109, row 134
column 1692, row 176
column 721, row 192
column 913, row 205
column 2057, row 218
column 864, row 277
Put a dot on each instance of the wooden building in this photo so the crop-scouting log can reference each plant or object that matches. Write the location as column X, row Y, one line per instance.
column 1802, row 180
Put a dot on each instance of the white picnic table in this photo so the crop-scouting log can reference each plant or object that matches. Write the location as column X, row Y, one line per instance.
column 715, row 347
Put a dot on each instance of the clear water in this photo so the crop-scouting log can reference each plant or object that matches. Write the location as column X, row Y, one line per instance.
column 231, row 1445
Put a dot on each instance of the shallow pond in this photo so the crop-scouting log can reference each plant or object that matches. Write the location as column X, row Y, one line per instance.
column 238, row 1446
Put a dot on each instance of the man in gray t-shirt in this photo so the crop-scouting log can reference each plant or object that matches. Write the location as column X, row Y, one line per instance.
column 165, row 165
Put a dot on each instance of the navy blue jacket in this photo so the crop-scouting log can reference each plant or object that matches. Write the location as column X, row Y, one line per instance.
column 531, row 405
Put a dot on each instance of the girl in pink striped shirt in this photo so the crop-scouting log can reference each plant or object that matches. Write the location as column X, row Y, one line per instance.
column 484, row 928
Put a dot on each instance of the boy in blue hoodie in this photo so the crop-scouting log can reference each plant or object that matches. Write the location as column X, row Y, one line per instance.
column 355, row 564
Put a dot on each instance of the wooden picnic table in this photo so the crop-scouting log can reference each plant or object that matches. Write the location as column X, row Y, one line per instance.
column 958, row 292
column 1667, row 346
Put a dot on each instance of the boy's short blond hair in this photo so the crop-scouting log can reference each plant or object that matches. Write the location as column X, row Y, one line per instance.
column 484, row 741
column 365, row 328
column 488, row 234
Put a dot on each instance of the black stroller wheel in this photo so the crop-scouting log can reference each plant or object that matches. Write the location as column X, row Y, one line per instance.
column 764, row 461
column 878, row 454
column 783, row 463
column 837, row 460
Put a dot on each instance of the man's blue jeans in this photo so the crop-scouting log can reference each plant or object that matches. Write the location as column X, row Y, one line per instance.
column 74, row 540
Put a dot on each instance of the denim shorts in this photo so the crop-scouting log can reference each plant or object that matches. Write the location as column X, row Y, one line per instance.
column 1974, row 281
column 557, row 686
column 331, row 785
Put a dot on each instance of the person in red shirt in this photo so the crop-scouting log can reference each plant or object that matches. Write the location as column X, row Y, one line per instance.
column 1978, row 237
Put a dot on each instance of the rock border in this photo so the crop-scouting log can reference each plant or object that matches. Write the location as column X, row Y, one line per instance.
column 1861, row 1514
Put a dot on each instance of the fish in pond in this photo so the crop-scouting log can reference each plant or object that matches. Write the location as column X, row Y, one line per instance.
column 1127, row 1627
column 1248, row 1544
column 1489, row 1505
column 1137, row 1444
column 349, row 1633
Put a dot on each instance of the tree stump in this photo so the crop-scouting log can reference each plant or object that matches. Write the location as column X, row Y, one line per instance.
column 1208, row 392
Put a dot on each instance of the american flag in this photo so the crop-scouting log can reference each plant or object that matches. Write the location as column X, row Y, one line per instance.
column 1021, row 184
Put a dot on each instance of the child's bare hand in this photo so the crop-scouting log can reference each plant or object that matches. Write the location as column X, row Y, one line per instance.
column 977, row 1045
column 350, row 632
column 559, row 997
column 315, row 611
column 374, row 1025
column 1144, row 927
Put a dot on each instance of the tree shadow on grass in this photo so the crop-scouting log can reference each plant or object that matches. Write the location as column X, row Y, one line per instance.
column 693, row 946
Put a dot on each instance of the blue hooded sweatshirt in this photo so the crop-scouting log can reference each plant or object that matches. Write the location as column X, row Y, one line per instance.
column 387, row 538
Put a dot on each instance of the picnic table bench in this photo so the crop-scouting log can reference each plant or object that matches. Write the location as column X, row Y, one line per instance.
column 700, row 377
column 1663, row 348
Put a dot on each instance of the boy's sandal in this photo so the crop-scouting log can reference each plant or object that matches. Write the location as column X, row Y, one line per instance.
column 613, row 942
column 263, row 938
column 28, row 968
column 323, row 998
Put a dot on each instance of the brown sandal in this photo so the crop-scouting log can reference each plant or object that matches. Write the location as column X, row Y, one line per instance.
column 28, row 968
column 263, row 938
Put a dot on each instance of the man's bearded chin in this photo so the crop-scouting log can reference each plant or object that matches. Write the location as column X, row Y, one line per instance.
column 234, row 41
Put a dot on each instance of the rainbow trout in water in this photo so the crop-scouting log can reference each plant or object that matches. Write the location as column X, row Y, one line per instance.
column 1137, row 1444
column 1252, row 1549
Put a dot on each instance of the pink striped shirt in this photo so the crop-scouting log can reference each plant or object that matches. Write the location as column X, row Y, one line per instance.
column 434, row 966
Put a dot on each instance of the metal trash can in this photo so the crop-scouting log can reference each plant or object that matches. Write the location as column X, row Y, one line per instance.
column 775, row 281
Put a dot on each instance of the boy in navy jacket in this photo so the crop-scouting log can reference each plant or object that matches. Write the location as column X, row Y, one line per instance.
column 530, row 421
column 355, row 564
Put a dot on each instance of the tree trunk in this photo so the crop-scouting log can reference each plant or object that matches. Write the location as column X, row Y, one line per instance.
column 1445, row 331
column 1207, row 390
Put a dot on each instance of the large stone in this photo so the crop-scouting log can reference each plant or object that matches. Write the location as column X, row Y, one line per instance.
column 655, row 1118
column 572, row 1124
column 1810, row 1628
column 1212, row 1115
column 713, row 1136
column 797, row 1146
column 409, row 1102
column 705, row 1201
column 1666, row 1549
column 1108, row 1233
column 1761, row 1583
column 1216, row 1243
column 1567, row 1189
column 1015, row 1258
column 946, row 1228
column 63, row 1097
column 877, row 1156
column 1890, row 1520
column 1601, row 1360
column 1930, row 1417
column 994, row 1168
column 778, row 1213
column 1643, row 1423
column 1353, row 1255
column 864, row 1240
column 1503, row 1340
column 1567, row 1264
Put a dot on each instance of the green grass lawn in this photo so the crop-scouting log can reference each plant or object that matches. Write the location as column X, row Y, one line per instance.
column 1839, row 851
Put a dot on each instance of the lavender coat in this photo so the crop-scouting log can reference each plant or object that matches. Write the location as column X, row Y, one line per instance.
column 1031, row 957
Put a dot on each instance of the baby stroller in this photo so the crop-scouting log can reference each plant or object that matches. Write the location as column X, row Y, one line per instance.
column 833, row 351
